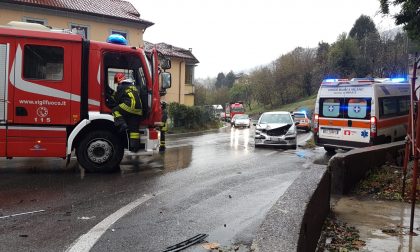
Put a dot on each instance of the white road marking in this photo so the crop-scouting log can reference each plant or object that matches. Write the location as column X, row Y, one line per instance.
column 88, row 240
column 19, row 214
column 270, row 153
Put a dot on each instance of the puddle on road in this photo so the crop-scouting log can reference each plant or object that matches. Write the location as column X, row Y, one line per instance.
column 171, row 160
column 371, row 217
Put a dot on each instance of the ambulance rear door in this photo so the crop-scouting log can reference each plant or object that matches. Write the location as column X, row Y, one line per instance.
column 357, row 113
column 345, row 114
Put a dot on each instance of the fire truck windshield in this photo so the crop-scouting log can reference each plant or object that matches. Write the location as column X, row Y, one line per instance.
column 238, row 109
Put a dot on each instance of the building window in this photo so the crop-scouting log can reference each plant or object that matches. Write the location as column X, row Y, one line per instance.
column 34, row 20
column 122, row 33
column 81, row 30
column 43, row 62
column 189, row 74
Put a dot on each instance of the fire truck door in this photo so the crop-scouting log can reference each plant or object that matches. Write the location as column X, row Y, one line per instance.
column 43, row 76
column 39, row 98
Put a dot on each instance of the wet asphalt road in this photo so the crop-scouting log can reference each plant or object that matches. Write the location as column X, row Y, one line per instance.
column 215, row 183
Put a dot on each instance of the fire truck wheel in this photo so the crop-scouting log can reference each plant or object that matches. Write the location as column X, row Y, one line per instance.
column 100, row 151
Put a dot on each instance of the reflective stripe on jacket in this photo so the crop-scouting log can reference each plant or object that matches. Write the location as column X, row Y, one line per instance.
column 128, row 99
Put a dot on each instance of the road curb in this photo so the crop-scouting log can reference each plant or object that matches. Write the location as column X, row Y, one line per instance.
column 295, row 222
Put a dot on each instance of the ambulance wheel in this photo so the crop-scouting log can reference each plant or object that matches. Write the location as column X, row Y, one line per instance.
column 100, row 151
column 329, row 150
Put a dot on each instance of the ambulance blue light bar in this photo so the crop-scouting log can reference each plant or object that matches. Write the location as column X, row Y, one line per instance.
column 398, row 79
column 334, row 81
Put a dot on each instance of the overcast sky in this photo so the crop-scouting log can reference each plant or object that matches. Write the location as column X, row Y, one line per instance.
column 240, row 35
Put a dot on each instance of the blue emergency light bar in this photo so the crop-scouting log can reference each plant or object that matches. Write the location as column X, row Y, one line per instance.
column 330, row 80
column 334, row 81
column 117, row 39
column 398, row 79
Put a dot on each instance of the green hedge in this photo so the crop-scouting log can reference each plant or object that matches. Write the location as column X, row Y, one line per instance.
column 182, row 116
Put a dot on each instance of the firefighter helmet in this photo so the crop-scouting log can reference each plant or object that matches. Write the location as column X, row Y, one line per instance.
column 118, row 77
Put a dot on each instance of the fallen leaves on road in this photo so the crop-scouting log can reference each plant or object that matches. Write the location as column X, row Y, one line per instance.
column 337, row 236
column 211, row 245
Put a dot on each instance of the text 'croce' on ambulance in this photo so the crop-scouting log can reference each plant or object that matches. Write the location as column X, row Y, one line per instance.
column 361, row 112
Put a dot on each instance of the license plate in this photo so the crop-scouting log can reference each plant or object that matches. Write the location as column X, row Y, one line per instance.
column 331, row 131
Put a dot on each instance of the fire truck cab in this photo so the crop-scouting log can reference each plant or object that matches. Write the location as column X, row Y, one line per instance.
column 232, row 109
column 53, row 96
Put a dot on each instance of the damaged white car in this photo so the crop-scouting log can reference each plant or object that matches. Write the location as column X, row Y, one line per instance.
column 276, row 129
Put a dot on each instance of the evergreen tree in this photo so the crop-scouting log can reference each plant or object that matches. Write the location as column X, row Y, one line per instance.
column 408, row 16
column 230, row 79
column 220, row 80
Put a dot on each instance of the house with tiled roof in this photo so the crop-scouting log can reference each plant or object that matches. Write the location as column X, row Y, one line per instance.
column 94, row 20
column 182, row 72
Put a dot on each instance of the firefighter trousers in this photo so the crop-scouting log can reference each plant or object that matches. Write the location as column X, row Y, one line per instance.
column 127, row 121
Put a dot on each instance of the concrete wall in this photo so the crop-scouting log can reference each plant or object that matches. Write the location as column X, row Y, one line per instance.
column 295, row 222
column 98, row 28
column 347, row 169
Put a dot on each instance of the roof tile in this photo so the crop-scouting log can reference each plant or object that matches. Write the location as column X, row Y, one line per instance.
column 171, row 51
column 109, row 8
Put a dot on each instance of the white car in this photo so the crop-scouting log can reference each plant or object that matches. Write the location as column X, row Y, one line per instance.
column 276, row 129
column 241, row 120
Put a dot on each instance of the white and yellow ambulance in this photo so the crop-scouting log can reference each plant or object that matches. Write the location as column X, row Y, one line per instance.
column 360, row 112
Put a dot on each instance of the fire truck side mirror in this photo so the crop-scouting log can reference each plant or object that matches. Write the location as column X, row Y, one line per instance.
column 166, row 80
column 165, row 63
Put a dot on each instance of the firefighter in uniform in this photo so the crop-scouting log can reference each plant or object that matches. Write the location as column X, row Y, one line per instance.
column 164, row 128
column 128, row 110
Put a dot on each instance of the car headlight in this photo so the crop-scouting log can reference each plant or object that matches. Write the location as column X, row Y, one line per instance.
column 291, row 131
column 257, row 132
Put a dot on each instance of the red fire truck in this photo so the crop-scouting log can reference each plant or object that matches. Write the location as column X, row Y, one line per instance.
column 232, row 109
column 53, row 96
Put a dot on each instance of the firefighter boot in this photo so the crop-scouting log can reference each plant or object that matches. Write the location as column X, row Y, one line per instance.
column 134, row 142
column 162, row 146
column 120, row 124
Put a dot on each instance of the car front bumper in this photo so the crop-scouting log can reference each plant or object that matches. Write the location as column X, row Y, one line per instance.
column 304, row 126
column 240, row 124
column 263, row 139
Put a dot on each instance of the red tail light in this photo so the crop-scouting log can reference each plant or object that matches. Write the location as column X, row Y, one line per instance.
column 316, row 124
column 373, row 128
column 153, row 134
